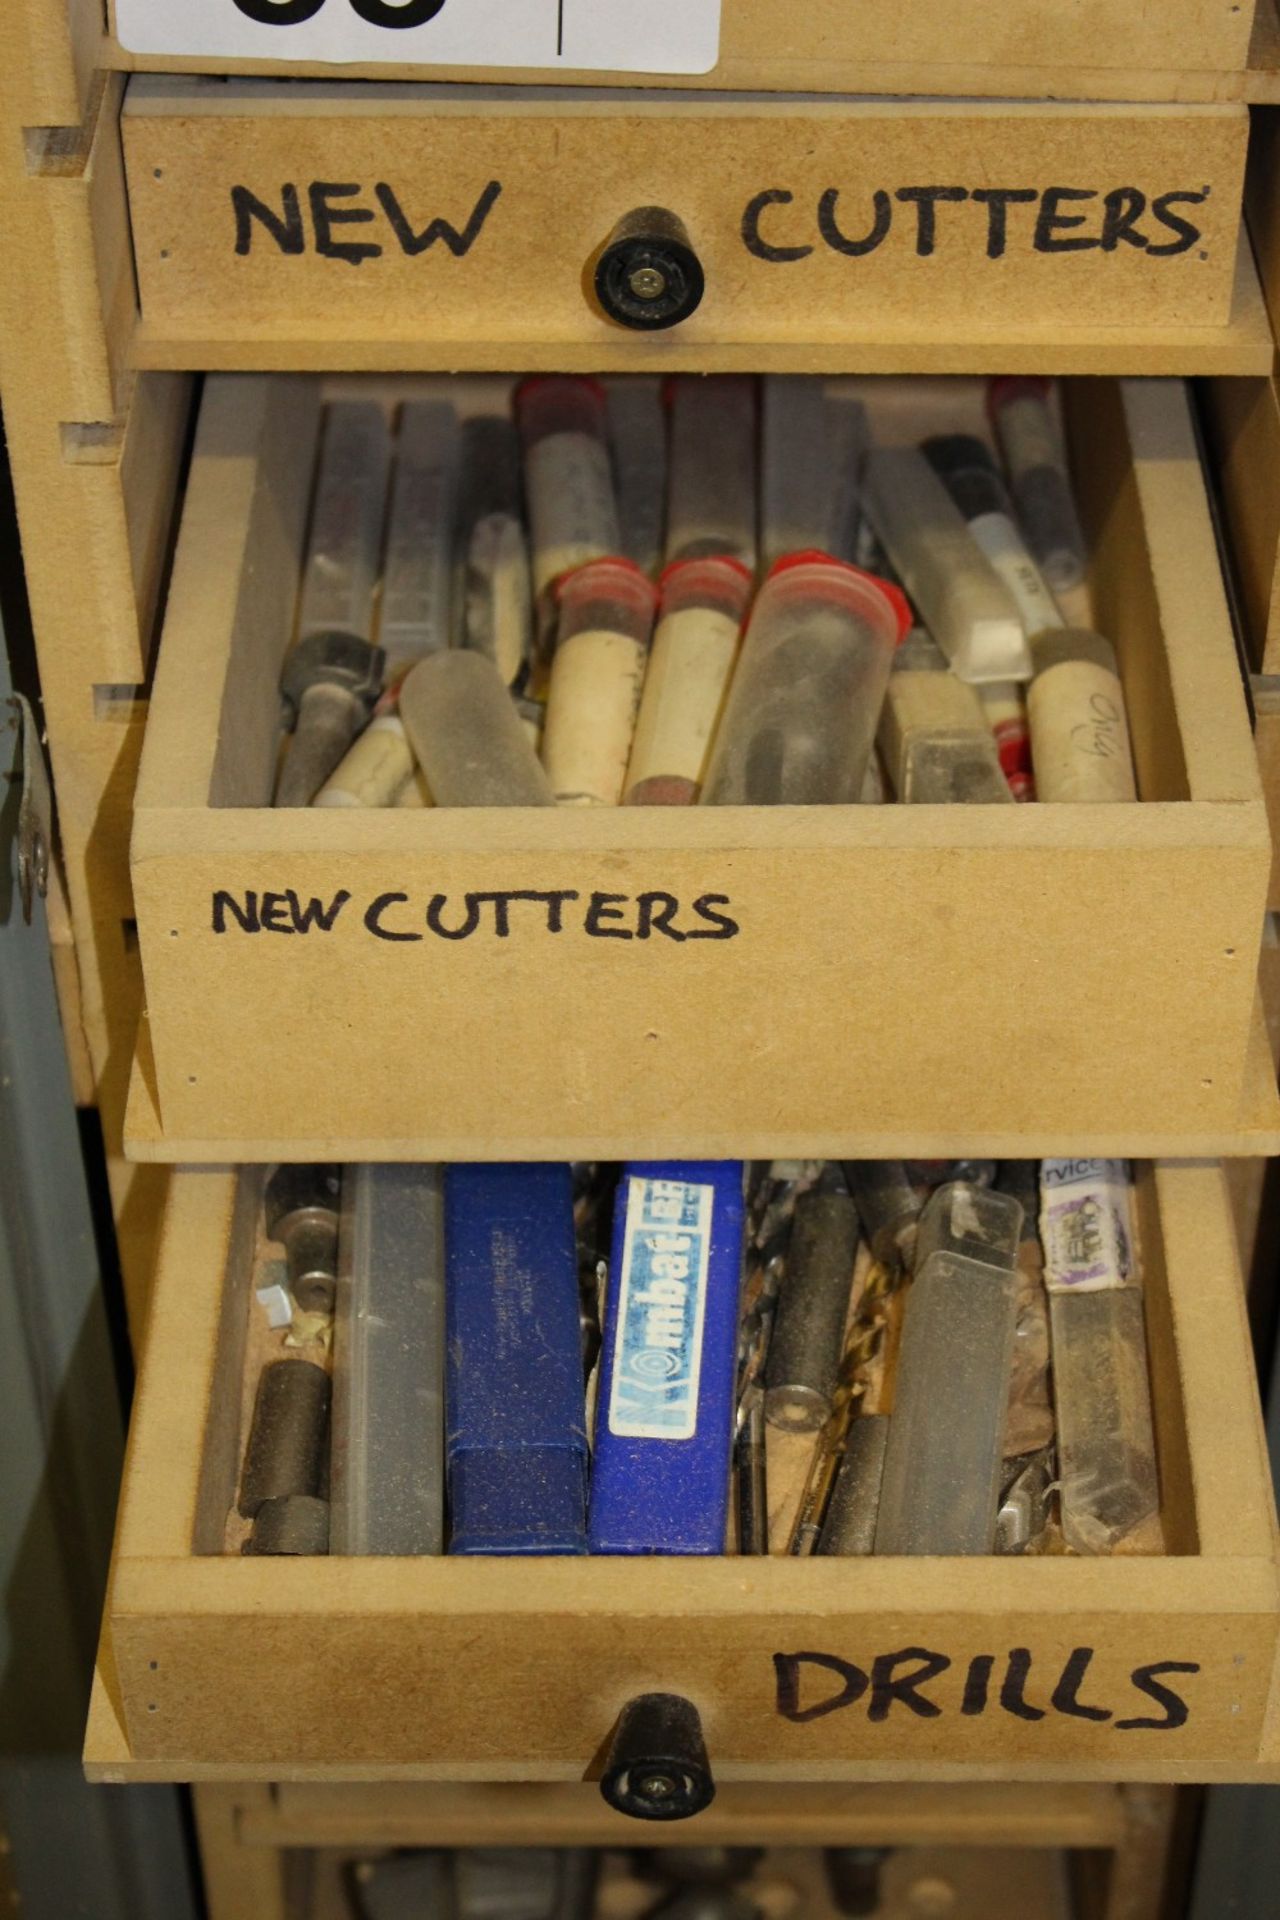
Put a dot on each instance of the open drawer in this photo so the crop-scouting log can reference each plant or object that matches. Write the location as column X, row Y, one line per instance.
column 464, row 1669
column 361, row 226
column 896, row 980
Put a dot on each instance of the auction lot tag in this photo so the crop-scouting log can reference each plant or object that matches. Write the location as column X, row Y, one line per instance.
column 637, row 36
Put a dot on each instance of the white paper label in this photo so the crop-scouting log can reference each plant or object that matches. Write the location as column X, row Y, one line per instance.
column 1085, row 1229
column 630, row 36
column 662, row 1301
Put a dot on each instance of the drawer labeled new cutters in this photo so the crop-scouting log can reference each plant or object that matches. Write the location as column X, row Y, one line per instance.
column 367, row 226
column 214, row 1665
column 918, row 980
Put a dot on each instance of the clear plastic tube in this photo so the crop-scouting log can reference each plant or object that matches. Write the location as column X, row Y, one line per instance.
column 417, row 579
column 942, row 1463
column 387, row 1461
column 573, row 517
column 1080, row 744
column 638, row 435
column 489, row 482
column 498, row 610
column 958, row 594
column 934, row 734
column 700, row 618
column 1108, row 1482
column 602, row 646
column 344, row 546
column 466, row 734
column 1038, row 477
column 967, row 469
column 800, row 721
column 711, row 481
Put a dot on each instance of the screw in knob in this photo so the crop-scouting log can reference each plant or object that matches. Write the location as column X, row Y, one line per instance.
column 648, row 276
column 657, row 1767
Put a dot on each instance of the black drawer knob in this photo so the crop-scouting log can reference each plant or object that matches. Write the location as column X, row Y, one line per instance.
column 648, row 277
column 657, row 1767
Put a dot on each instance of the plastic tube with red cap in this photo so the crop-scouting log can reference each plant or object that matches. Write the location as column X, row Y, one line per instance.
column 800, row 721
column 602, row 649
column 568, row 478
column 700, row 617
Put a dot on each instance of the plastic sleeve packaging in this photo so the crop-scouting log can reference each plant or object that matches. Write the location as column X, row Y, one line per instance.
column 602, row 649
column 515, row 1436
column 711, row 484
column 1079, row 725
column 694, row 650
column 935, row 739
column 800, row 721
column 1109, row 1487
column 968, row 470
column 664, row 1421
column 942, row 1463
column 344, row 546
column 490, row 482
column 387, row 1466
column 959, row 596
column 573, row 516
column 467, row 736
column 417, row 583
column 1038, row 475
column 638, row 433
column 498, row 594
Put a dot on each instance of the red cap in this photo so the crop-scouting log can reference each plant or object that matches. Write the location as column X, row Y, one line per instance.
column 634, row 582
column 532, row 381
column 730, row 560
column 814, row 557
column 1007, row 386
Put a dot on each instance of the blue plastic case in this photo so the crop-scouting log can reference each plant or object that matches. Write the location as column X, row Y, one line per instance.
column 664, row 1418
column 516, row 1440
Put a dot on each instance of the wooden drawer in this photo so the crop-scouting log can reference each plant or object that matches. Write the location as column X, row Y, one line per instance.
column 1109, row 49
column 360, row 226
column 215, row 1665
column 902, row 979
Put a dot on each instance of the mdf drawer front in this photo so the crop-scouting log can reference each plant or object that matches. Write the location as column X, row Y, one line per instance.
column 465, row 1669
column 358, row 225
column 974, row 46
column 1063, row 977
